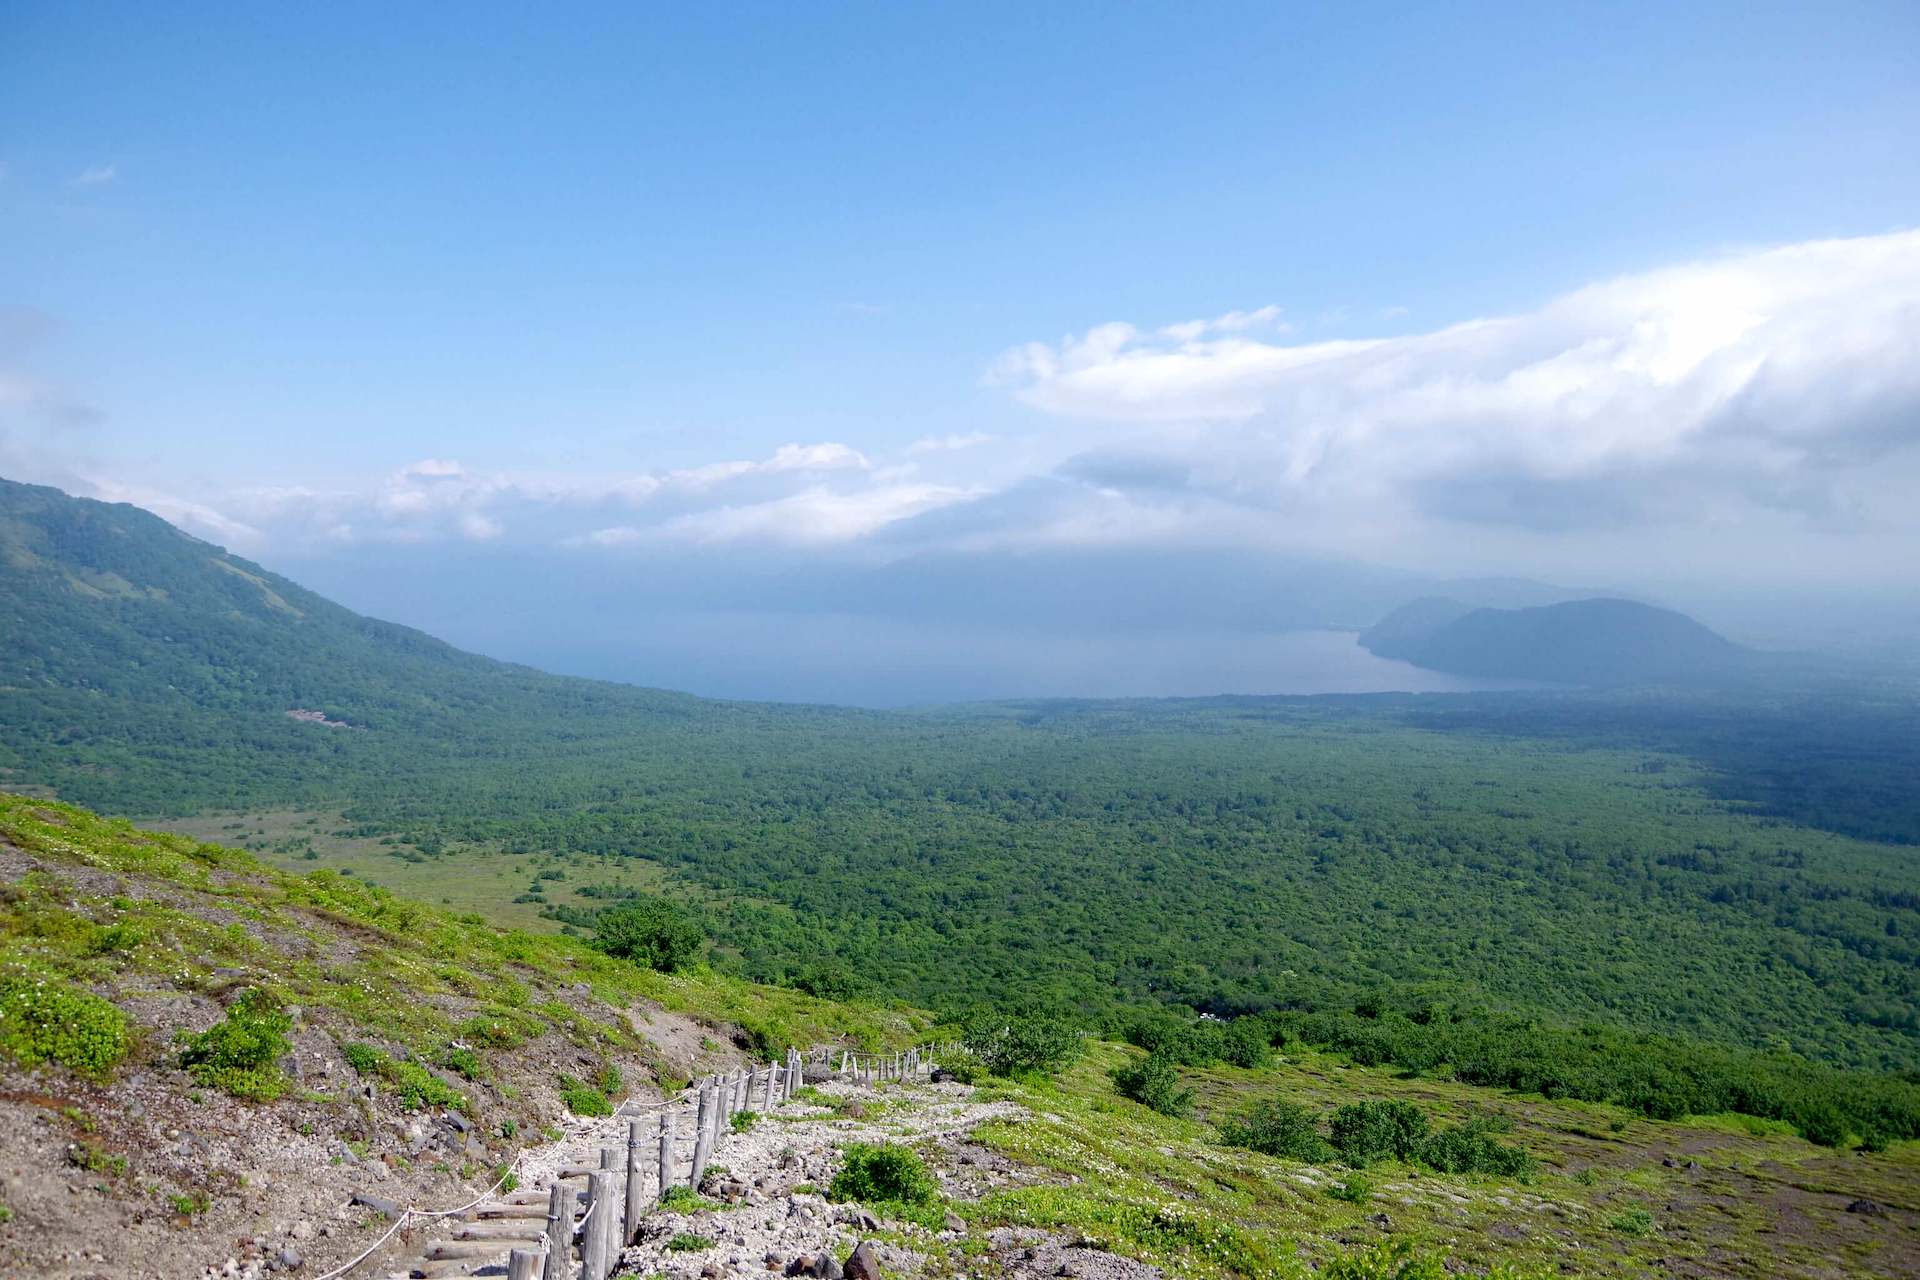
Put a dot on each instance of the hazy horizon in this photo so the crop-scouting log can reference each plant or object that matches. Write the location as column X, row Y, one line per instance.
column 1038, row 351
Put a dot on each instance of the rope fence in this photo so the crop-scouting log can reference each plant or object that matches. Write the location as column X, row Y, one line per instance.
column 539, row 1231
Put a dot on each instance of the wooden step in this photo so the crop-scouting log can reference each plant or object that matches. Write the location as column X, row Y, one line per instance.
column 479, row 1252
column 498, row 1231
column 438, row 1270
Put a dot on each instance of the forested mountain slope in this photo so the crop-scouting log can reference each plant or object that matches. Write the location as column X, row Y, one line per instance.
column 203, row 1058
column 1233, row 854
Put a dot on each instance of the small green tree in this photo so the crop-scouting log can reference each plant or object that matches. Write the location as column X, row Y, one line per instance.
column 1244, row 1043
column 651, row 932
column 1367, row 1131
column 1471, row 1148
column 829, row 980
column 1153, row 1082
column 1021, row 1040
column 883, row 1174
column 1277, row 1127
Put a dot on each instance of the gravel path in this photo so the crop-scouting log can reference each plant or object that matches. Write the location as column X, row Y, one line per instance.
column 770, row 1213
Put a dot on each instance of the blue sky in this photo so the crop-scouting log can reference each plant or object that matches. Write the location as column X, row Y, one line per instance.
column 320, row 281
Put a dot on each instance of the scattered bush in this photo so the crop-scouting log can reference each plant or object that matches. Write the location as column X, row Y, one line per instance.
column 188, row 1203
column 1398, row 1261
column 883, row 1174
column 1636, row 1222
column 651, row 932
column 829, row 980
column 1277, row 1127
column 462, row 1061
column 114, row 937
column 1152, row 1082
column 1470, row 1148
column 1355, row 1190
column 961, row 1065
column 1015, row 1042
column 584, row 1099
column 682, row 1198
column 241, row 1053
column 1244, row 1042
column 413, row 1084
column 687, row 1242
column 43, row 1019
column 1658, row 1076
column 363, row 1058
column 1364, row 1132
column 84, row 1155
column 743, row 1120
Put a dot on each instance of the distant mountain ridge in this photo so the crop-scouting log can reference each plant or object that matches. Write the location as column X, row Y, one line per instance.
column 1598, row 642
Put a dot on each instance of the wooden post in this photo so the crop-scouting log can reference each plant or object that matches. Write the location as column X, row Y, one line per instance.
column 630, row 1222
column 702, row 1137
column 616, row 1204
column 593, row 1245
column 520, row 1264
column 723, row 1108
column 667, row 1124
column 766, row 1090
column 559, row 1232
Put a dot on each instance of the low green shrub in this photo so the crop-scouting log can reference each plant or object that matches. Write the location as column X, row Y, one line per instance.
column 241, row 1053
column 188, row 1203
column 501, row 1027
column 43, row 1019
column 1636, row 1222
column 1471, row 1148
column 651, row 932
column 741, row 1121
column 1277, row 1127
column 1364, row 1132
column 961, row 1065
column 683, row 1199
column 1020, row 1041
column 883, row 1173
column 84, row 1155
column 414, row 1085
column 111, row 938
column 584, row 1099
column 1152, row 1082
column 462, row 1061
column 687, row 1242
column 1357, row 1189
column 829, row 980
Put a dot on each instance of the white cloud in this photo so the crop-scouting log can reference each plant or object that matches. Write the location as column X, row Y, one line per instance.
column 829, row 456
column 1232, row 322
column 950, row 443
column 1759, row 404
column 195, row 517
column 1771, row 379
column 479, row 527
column 95, row 176
column 815, row 515
column 619, row 535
